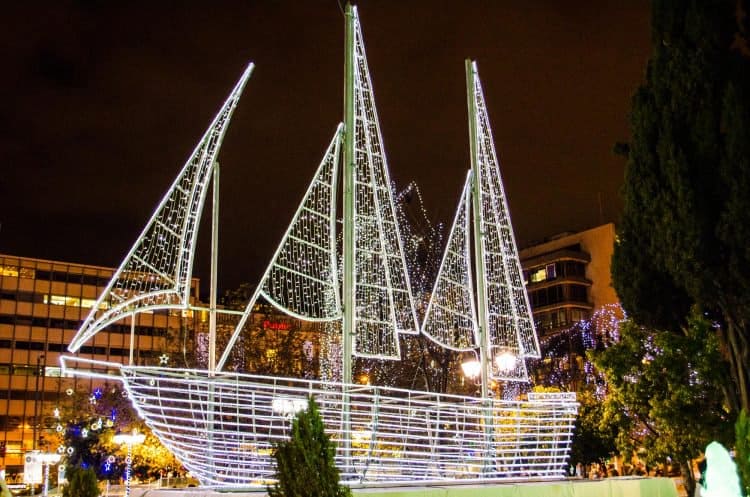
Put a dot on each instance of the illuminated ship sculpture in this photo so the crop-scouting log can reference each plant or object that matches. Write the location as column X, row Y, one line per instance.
column 221, row 424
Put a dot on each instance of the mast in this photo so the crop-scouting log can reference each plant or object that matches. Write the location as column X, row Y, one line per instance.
column 214, row 272
column 348, row 294
column 484, row 336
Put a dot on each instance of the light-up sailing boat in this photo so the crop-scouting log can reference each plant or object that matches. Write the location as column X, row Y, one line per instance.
column 221, row 424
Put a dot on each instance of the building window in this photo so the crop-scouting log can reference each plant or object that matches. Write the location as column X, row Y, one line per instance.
column 537, row 275
column 578, row 315
column 550, row 272
column 16, row 272
column 578, row 293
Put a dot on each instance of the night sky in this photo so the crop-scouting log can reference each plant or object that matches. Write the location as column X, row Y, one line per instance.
column 102, row 103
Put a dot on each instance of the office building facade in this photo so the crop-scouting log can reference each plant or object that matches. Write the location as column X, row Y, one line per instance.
column 42, row 305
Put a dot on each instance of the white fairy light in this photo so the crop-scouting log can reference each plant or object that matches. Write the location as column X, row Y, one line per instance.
column 451, row 318
column 412, row 435
column 511, row 324
column 223, row 425
column 506, row 361
column 384, row 304
column 471, row 368
column 157, row 271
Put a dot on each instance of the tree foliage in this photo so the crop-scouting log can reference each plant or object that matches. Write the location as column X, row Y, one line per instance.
column 742, row 449
column 664, row 398
column 305, row 463
column 88, row 421
column 593, row 437
column 684, row 238
column 271, row 343
column 81, row 483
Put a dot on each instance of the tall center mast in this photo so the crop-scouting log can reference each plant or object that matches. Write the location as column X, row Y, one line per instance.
column 348, row 296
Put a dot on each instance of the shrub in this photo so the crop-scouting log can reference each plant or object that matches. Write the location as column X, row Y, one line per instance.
column 305, row 463
column 81, row 483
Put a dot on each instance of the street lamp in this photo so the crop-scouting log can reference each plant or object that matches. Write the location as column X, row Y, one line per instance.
column 470, row 365
column 129, row 439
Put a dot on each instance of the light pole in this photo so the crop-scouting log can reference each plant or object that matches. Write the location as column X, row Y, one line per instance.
column 36, row 400
column 129, row 439
column 47, row 459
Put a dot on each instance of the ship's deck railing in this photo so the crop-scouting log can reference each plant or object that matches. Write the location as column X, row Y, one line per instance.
column 223, row 428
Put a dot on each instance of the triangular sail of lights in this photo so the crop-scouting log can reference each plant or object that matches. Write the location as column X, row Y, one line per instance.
column 451, row 317
column 502, row 304
column 302, row 278
column 509, row 318
column 384, row 305
column 157, row 271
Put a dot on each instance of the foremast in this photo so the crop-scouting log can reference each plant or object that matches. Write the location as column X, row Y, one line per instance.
column 157, row 272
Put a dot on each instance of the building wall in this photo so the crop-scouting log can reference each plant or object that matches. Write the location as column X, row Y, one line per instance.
column 42, row 305
column 593, row 249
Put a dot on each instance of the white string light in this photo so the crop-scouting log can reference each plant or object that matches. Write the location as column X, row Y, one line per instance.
column 222, row 428
column 511, row 324
column 451, row 318
column 157, row 271
column 384, row 304
column 302, row 279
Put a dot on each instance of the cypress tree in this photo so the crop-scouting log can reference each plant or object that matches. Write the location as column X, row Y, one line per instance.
column 684, row 238
column 305, row 464
column 81, row 483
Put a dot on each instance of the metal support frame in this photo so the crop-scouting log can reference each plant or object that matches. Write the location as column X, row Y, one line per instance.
column 395, row 435
column 214, row 271
column 348, row 294
column 481, row 294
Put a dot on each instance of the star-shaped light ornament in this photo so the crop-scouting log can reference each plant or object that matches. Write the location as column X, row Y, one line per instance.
column 163, row 359
column 56, row 412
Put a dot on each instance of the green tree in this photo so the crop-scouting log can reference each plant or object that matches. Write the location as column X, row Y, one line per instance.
column 684, row 238
column 593, row 439
column 81, row 483
column 305, row 463
column 87, row 423
column 664, row 393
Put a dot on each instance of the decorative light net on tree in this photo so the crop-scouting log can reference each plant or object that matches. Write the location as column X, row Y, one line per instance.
column 158, row 269
column 384, row 304
column 451, row 318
